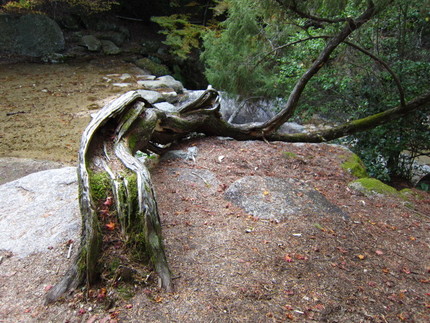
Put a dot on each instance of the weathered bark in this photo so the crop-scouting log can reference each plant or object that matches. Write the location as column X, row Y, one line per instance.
column 108, row 146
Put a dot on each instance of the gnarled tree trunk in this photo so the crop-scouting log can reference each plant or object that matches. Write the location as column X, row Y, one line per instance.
column 107, row 163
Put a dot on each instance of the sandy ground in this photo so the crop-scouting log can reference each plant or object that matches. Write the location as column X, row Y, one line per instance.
column 44, row 108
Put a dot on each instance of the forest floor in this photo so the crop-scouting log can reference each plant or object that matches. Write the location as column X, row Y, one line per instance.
column 228, row 266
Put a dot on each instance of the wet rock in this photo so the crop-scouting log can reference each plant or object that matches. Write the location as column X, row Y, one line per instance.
column 41, row 211
column 291, row 127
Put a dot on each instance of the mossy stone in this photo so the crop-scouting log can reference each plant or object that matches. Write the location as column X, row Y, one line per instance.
column 155, row 68
column 355, row 166
column 373, row 186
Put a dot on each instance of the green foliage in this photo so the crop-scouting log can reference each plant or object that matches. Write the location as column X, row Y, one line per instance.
column 58, row 7
column 181, row 35
column 261, row 49
column 152, row 67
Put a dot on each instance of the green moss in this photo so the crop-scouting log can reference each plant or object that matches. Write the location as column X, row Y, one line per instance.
column 288, row 154
column 355, row 166
column 153, row 67
column 132, row 187
column 125, row 291
column 373, row 186
column 100, row 185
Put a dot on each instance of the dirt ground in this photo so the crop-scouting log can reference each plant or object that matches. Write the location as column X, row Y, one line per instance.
column 228, row 266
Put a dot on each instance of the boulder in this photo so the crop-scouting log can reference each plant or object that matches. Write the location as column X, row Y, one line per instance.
column 91, row 42
column 109, row 48
column 166, row 107
column 276, row 199
column 117, row 38
column 42, row 211
column 166, row 81
column 152, row 67
column 30, row 35
column 150, row 96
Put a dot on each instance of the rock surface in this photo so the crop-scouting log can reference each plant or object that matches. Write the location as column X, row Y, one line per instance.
column 166, row 81
column 39, row 211
column 13, row 168
column 30, row 35
column 279, row 199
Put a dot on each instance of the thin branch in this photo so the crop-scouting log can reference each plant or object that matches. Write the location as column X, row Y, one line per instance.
column 364, row 51
column 359, row 125
column 291, row 105
column 293, row 7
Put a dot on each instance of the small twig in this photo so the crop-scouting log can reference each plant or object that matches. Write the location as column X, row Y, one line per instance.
column 70, row 251
column 206, row 183
column 13, row 113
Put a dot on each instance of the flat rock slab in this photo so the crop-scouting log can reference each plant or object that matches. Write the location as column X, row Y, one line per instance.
column 279, row 199
column 39, row 211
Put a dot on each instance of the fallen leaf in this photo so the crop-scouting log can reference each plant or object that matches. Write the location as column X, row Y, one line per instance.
column 361, row 257
column 48, row 287
column 342, row 250
column 287, row 258
column 102, row 294
column 402, row 316
column 265, row 193
column 300, row 257
column 289, row 316
column 110, row 226
column 158, row 299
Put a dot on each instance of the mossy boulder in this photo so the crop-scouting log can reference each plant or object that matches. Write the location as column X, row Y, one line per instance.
column 154, row 68
column 373, row 186
column 355, row 166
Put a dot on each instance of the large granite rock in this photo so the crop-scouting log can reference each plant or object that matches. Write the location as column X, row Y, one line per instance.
column 39, row 211
column 30, row 35
column 279, row 199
